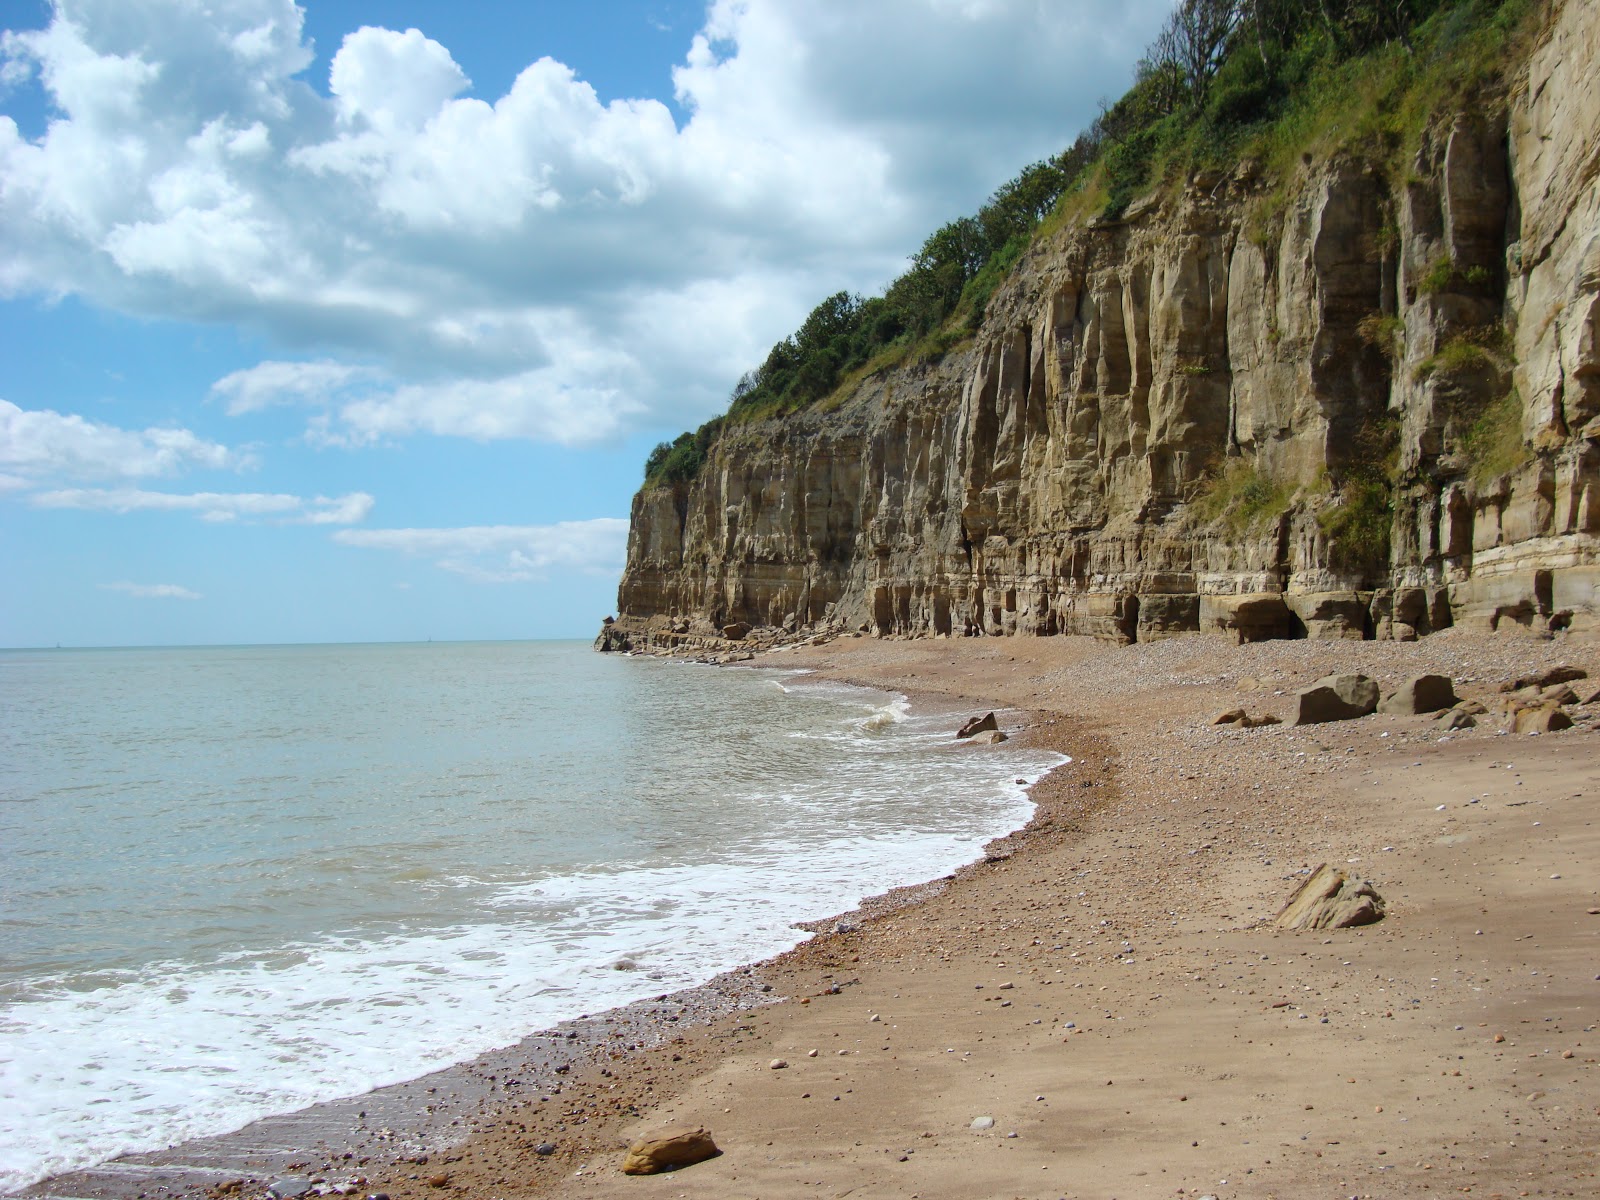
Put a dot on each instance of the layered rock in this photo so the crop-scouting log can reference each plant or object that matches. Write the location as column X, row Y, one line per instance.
column 1340, row 405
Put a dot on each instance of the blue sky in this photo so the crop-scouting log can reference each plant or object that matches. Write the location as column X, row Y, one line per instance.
column 354, row 321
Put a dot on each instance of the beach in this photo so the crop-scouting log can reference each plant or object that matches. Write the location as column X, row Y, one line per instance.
column 1101, row 1007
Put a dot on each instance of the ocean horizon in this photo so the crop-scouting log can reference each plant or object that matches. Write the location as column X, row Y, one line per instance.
column 248, row 879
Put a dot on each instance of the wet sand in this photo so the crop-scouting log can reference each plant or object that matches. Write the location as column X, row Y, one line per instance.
column 1100, row 1007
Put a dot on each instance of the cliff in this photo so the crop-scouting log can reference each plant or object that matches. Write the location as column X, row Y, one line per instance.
column 1354, row 402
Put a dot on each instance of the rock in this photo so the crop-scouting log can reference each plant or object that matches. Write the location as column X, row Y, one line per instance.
column 1456, row 718
column 1331, row 899
column 545, row 1149
column 989, row 737
column 777, row 1064
column 290, row 1187
column 982, row 1123
column 978, row 725
column 1558, row 693
column 1120, row 361
column 438, row 1181
column 669, row 1149
column 1419, row 694
column 1335, row 698
column 1232, row 717
column 1264, row 719
column 1564, row 673
column 1590, row 697
column 1540, row 718
column 736, row 631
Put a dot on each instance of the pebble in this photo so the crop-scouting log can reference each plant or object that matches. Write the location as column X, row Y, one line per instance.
column 982, row 1123
column 777, row 1064
column 290, row 1186
column 544, row 1149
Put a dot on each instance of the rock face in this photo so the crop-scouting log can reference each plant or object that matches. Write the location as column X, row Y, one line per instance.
column 1338, row 405
column 1335, row 698
column 668, row 1149
column 1330, row 899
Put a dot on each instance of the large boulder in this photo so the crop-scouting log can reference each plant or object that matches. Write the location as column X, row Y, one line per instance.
column 1335, row 698
column 1540, row 718
column 1419, row 694
column 1330, row 899
column 668, row 1149
column 978, row 725
column 1564, row 673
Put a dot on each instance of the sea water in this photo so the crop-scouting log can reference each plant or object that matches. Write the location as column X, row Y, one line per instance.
column 238, row 881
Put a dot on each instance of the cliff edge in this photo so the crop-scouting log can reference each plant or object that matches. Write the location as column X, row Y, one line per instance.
column 1349, row 402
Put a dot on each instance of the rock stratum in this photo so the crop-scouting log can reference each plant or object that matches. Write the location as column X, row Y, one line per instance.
column 1337, row 405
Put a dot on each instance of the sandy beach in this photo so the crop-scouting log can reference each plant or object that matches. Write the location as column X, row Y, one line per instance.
column 1102, row 1008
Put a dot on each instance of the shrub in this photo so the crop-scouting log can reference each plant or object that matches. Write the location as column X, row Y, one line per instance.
column 1242, row 496
column 1360, row 524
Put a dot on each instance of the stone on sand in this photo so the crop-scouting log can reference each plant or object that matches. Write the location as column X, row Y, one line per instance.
column 989, row 737
column 1540, row 718
column 1335, row 698
column 1419, row 694
column 978, row 725
column 668, row 1149
column 1550, row 675
column 1331, row 899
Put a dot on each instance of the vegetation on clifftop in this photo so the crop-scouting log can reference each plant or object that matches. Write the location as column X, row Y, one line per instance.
column 1278, row 81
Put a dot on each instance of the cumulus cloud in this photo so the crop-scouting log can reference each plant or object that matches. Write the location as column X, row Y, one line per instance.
column 506, row 553
column 40, row 443
column 538, row 250
column 278, row 508
column 152, row 591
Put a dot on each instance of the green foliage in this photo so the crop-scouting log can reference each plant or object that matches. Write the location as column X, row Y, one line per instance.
column 1485, row 347
column 1385, row 331
column 1444, row 274
column 1243, row 497
column 1359, row 525
column 1494, row 442
column 680, row 460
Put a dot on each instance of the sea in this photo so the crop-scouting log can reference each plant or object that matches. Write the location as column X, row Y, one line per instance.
column 238, row 881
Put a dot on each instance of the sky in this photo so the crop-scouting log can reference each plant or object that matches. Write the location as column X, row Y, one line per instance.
column 355, row 320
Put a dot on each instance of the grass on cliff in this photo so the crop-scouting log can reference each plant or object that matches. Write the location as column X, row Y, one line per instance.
column 1243, row 497
column 1359, row 524
column 1288, row 83
column 1494, row 443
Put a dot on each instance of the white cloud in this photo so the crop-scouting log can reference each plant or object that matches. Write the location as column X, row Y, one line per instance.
column 39, row 443
column 507, row 553
column 535, row 252
column 272, row 382
column 152, row 591
column 278, row 508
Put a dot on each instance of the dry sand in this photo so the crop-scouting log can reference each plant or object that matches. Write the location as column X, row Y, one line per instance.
column 1105, row 989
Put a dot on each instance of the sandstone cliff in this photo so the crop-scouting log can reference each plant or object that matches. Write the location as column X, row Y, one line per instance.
column 1341, row 404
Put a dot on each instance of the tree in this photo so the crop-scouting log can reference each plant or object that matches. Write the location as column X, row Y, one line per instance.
column 1202, row 33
